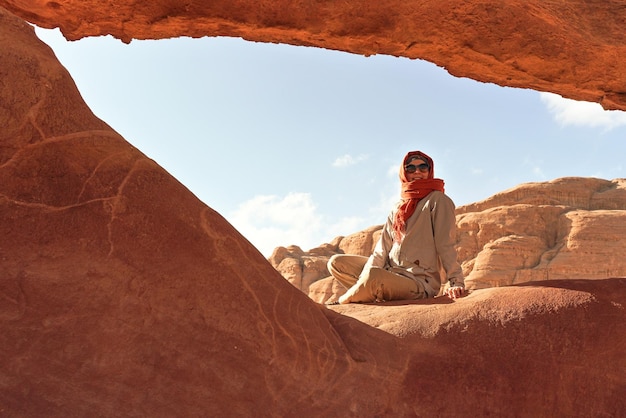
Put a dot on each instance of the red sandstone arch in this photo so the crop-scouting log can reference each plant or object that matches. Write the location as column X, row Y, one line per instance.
column 573, row 48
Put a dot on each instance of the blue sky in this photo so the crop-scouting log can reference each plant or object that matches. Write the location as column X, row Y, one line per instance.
column 297, row 145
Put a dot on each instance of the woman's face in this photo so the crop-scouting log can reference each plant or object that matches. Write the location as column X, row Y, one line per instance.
column 420, row 172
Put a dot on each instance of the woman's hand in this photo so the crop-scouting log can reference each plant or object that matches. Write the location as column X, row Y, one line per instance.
column 454, row 292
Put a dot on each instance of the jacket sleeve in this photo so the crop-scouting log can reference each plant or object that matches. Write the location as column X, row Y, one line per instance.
column 380, row 255
column 444, row 225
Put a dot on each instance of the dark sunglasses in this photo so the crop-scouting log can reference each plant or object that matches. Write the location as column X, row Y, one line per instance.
column 412, row 168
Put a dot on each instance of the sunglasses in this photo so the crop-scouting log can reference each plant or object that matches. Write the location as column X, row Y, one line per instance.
column 412, row 168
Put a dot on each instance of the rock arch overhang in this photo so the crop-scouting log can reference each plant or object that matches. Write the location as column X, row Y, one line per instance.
column 573, row 48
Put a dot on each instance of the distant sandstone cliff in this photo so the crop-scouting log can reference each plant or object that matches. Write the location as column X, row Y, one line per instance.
column 568, row 228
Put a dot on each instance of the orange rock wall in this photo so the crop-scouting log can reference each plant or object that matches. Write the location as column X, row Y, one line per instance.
column 573, row 48
column 121, row 294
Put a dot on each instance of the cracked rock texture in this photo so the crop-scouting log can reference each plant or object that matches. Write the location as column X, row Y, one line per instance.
column 123, row 295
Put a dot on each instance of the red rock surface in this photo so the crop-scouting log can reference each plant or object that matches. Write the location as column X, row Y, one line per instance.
column 121, row 294
column 574, row 48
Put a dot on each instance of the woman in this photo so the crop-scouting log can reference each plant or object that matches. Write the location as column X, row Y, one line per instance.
column 415, row 253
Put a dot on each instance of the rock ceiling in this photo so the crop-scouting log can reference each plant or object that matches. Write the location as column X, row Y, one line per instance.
column 574, row 48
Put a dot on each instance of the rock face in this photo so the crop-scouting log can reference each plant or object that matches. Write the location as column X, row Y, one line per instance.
column 568, row 228
column 302, row 269
column 121, row 294
column 513, row 344
column 116, row 301
column 572, row 48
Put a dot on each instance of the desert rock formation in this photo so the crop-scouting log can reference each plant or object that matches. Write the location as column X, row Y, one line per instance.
column 568, row 228
column 302, row 269
column 121, row 294
column 572, row 48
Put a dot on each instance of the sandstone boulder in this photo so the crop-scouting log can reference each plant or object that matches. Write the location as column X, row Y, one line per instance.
column 568, row 228
column 362, row 242
column 325, row 290
column 302, row 268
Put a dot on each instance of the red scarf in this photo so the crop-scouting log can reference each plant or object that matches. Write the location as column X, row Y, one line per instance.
column 412, row 192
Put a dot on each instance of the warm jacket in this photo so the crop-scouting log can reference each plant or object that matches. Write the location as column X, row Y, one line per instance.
column 428, row 248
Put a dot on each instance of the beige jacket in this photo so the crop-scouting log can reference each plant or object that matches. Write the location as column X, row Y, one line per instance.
column 427, row 251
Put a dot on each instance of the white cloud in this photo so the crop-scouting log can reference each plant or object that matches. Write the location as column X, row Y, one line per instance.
column 348, row 160
column 537, row 171
column 385, row 204
column 393, row 172
column 271, row 221
column 535, row 167
column 572, row 112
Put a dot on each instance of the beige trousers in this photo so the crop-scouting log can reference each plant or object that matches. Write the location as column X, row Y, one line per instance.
column 375, row 285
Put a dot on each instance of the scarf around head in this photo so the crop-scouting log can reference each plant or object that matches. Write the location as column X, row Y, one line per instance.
column 412, row 192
